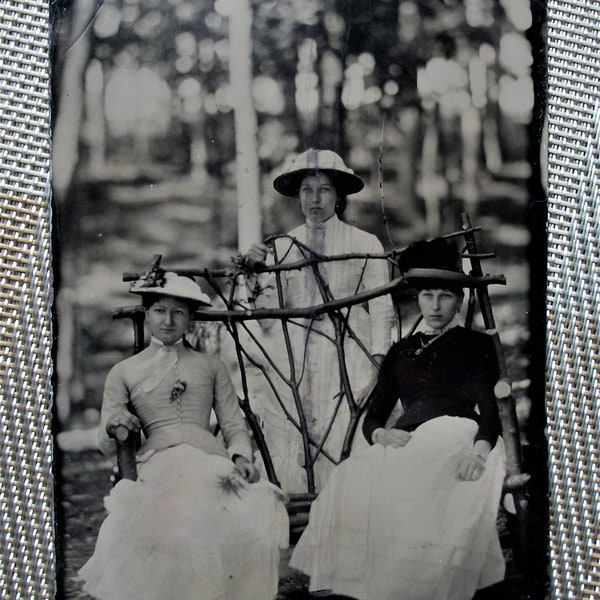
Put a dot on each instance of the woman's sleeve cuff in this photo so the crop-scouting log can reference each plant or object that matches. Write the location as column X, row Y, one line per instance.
column 239, row 450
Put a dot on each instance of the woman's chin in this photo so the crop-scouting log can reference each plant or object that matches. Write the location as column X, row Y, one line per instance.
column 436, row 323
column 167, row 339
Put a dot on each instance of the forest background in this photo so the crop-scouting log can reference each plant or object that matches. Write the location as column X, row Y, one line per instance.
column 171, row 118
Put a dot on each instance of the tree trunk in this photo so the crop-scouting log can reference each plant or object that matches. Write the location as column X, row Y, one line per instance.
column 74, row 58
column 247, row 167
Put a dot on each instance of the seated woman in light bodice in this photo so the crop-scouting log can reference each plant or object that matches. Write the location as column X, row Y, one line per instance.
column 198, row 522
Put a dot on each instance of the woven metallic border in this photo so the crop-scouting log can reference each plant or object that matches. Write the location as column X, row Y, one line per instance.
column 26, row 500
column 573, row 295
column 27, row 557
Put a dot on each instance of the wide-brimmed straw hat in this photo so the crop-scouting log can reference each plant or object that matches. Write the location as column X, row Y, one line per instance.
column 434, row 264
column 171, row 284
column 322, row 161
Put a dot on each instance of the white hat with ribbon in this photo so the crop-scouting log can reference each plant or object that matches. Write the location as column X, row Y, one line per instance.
column 317, row 161
column 171, row 284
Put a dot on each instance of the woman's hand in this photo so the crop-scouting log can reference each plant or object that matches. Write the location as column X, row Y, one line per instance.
column 396, row 438
column 472, row 464
column 257, row 255
column 470, row 467
column 125, row 419
column 246, row 469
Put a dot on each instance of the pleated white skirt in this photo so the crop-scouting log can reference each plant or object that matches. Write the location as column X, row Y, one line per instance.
column 398, row 523
column 177, row 534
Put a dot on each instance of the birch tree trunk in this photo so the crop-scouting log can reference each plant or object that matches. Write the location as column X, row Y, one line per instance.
column 65, row 137
column 72, row 59
column 246, row 150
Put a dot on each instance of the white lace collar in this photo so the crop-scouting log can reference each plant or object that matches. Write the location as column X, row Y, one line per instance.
column 426, row 330
column 156, row 341
column 331, row 223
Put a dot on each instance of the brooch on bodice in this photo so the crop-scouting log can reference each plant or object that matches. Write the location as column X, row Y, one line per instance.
column 178, row 389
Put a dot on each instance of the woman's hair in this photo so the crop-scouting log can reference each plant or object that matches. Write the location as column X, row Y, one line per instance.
column 149, row 299
column 436, row 284
column 340, row 205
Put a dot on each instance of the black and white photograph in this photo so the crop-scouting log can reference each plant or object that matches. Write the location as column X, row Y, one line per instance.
column 299, row 263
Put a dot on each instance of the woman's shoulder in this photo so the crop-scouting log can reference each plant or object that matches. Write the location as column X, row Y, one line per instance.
column 213, row 362
column 133, row 360
column 472, row 335
column 402, row 343
column 128, row 367
column 296, row 231
column 357, row 231
column 406, row 343
column 286, row 243
column 359, row 238
column 476, row 344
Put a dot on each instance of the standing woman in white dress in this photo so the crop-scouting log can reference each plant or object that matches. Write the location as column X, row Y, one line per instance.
column 321, row 181
column 413, row 516
column 197, row 523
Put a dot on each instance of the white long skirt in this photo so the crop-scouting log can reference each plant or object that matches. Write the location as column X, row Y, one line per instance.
column 177, row 534
column 398, row 523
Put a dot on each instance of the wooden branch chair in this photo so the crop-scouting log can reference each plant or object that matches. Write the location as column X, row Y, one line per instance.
column 236, row 318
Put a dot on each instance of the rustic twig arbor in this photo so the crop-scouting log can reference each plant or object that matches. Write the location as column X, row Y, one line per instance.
column 230, row 285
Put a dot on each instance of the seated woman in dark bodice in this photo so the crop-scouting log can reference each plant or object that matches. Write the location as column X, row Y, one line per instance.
column 197, row 523
column 413, row 516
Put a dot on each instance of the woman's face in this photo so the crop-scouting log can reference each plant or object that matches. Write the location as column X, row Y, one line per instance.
column 318, row 197
column 439, row 306
column 168, row 319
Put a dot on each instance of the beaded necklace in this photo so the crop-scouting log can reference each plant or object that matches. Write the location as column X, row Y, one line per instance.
column 437, row 334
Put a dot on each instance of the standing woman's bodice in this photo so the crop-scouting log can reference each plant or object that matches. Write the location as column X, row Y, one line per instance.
column 344, row 278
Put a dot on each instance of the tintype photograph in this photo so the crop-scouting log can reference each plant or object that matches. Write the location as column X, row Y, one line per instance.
column 299, row 265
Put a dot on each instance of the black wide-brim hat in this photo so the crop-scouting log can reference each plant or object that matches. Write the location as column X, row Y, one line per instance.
column 434, row 264
column 317, row 161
